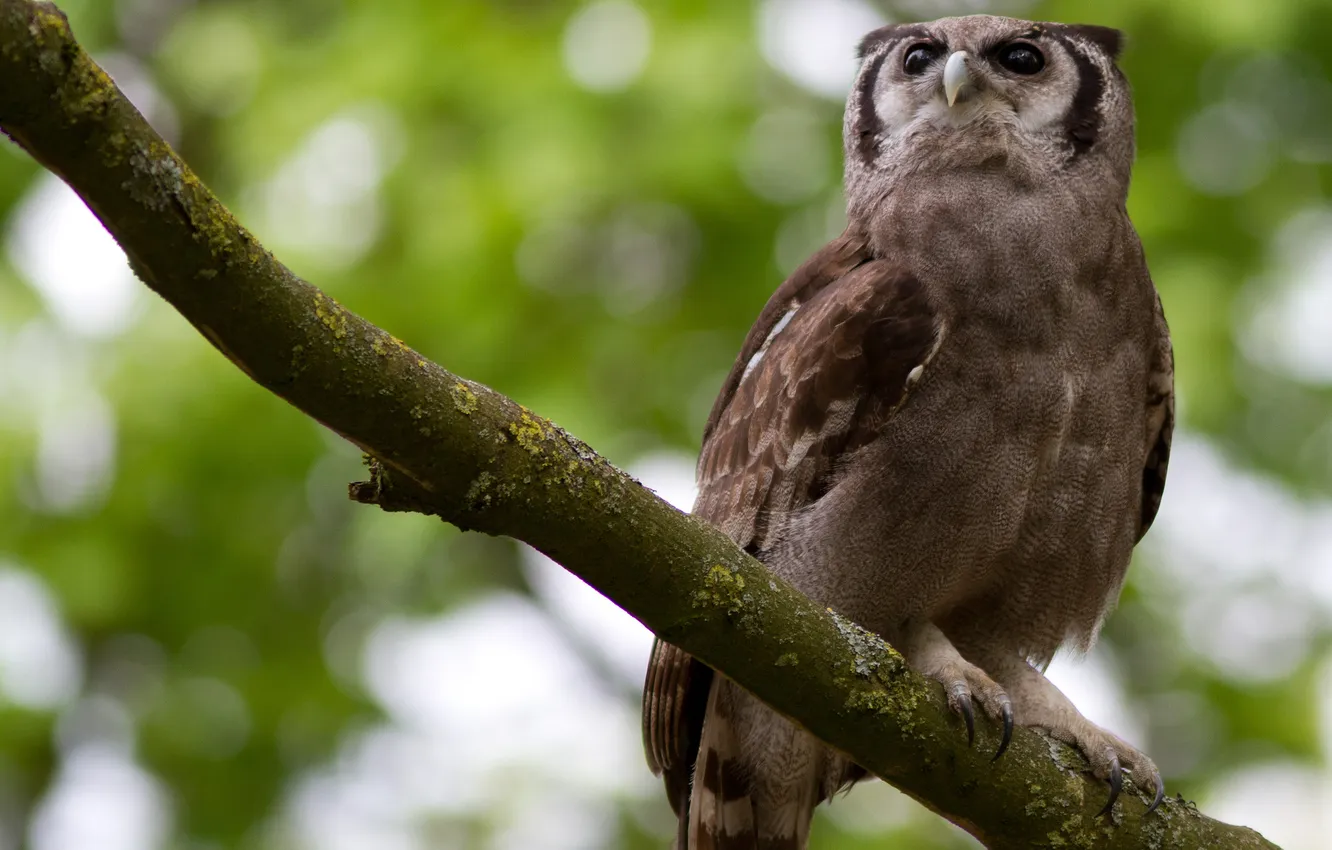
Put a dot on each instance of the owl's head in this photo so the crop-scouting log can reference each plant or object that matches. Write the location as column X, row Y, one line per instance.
column 992, row 93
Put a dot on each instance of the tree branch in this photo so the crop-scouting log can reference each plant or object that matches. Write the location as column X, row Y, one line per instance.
column 447, row 446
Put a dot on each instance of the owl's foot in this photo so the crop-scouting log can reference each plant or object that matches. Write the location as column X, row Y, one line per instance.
column 1108, row 754
column 929, row 651
column 1038, row 703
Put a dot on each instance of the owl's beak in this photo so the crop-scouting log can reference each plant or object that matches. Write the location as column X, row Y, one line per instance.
column 956, row 76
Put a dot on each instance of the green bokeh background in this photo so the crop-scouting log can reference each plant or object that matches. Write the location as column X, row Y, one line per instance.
column 595, row 251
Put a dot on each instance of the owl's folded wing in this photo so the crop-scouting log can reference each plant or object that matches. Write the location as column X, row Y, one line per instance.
column 822, row 384
column 833, row 354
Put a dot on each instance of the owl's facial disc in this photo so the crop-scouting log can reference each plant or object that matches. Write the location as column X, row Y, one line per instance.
column 982, row 90
column 956, row 76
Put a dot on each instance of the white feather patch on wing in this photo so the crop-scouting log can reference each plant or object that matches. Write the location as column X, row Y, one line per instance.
column 763, row 349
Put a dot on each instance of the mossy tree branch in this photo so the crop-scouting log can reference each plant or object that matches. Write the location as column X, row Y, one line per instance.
column 446, row 446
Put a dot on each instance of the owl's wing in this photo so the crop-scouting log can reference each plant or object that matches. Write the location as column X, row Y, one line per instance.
column 821, row 383
column 1160, row 421
column 831, row 356
column 676, row 690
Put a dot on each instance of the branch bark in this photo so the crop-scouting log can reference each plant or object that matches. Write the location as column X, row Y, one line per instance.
column 446, row 446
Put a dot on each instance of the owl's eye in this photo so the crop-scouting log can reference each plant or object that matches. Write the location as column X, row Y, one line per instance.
column 1021, row 59
column 918, row 58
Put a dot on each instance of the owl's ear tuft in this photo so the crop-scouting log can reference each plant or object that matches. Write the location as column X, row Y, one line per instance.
column 1108, row 39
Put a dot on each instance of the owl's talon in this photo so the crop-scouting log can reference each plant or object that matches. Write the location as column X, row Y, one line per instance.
column 961, row 697
column 1116, row 785
column 1160, row 791
column 1006, row 710
column 1041, row 705
column 966, row 686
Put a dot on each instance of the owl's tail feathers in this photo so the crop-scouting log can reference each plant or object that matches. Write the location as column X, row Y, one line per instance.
column 721, row 805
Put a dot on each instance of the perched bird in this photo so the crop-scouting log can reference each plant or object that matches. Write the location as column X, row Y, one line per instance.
column 951, row 424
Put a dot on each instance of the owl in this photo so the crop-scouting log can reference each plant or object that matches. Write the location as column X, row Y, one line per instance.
column 951, row 424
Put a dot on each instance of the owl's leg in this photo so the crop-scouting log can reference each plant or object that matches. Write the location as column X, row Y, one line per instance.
column 1038, row 703
column 928, row 650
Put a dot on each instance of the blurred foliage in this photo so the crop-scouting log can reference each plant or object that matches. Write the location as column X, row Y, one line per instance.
column 596, row 251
